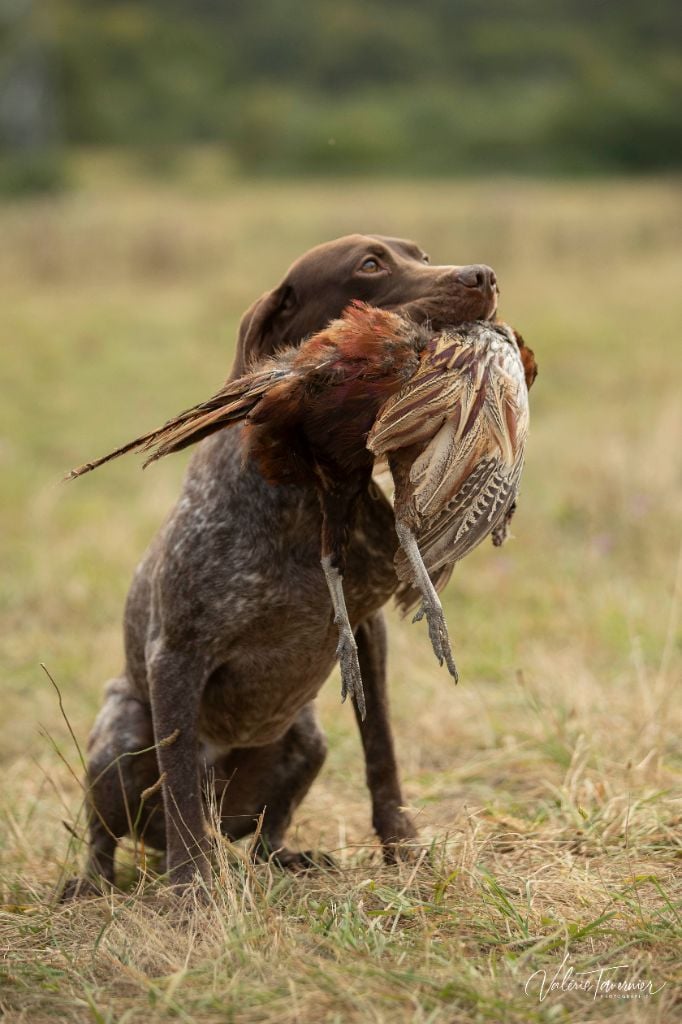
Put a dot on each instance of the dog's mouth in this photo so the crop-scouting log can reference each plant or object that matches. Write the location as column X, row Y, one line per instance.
column 493, row 302
column 492, row 309
column 442, row 310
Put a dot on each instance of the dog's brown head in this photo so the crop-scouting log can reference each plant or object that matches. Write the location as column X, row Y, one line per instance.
column 389, row 272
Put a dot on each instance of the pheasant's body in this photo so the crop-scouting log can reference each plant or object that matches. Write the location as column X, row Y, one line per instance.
column 454, row 437
column 449, row 411
column 315, row 416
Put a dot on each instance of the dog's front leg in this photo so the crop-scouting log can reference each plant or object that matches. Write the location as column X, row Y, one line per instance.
column 176, row 683
column 391, row 822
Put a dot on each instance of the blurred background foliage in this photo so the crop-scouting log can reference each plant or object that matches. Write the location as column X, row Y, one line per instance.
column 290, row 87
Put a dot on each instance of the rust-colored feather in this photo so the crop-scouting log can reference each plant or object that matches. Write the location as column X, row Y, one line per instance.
column 229, row 405
column 367, row 349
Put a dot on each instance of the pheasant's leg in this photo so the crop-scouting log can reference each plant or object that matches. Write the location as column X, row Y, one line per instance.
column 347, row 651
column 431, row 606
column 338, row 502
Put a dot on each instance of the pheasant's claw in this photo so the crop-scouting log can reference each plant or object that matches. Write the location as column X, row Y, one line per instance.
column 438, row 634
column 351, row 679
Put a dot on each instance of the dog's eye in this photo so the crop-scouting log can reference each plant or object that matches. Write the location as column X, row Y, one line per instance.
column 370, row 266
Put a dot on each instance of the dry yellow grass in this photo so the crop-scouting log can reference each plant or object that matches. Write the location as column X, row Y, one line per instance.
column 546, row 785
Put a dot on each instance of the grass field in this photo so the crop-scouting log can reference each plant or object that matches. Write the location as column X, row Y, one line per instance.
column 546, row 785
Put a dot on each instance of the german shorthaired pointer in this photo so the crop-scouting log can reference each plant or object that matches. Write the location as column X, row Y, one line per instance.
column 229, row 631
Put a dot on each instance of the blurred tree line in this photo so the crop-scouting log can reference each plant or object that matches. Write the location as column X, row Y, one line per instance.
column 348, row 86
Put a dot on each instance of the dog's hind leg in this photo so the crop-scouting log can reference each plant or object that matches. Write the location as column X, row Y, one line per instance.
column 272, row 781
column 391, row 822
column 121, row 767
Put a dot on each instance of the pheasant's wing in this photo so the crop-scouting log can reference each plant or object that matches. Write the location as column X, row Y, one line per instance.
column 467, row 409
column 482, row 501
column 483, row 434
column 230, row 405
column 434, row 392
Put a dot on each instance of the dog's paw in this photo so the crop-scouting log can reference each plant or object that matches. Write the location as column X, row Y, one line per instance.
column 401, row 851
column 298, row 860
column 82, row 889
column 399, row 838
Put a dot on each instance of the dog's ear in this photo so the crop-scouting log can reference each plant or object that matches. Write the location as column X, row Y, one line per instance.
column 259, row 333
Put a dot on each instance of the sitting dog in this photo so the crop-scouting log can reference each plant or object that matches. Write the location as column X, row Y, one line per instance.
column 229, row 631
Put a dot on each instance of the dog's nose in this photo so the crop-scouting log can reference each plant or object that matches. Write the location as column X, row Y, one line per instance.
column 477, row 276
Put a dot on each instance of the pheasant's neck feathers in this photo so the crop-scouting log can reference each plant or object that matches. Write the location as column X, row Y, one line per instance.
column 371, row 322
column 362, row 330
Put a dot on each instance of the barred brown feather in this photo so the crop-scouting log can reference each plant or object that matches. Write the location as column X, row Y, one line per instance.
column 461, row 424
column 230, row 405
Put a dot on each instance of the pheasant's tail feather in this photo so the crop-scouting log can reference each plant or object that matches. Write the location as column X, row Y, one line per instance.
column 131, row 446
column 189, row 429
column 230, row 405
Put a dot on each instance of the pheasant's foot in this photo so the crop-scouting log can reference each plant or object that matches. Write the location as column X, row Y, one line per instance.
column 438, row 634
column 351, row 679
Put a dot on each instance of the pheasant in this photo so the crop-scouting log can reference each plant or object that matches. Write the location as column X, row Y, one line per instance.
column 448, row 411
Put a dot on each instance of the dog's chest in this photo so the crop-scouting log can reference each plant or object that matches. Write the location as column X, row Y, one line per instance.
column 370, row 579
column 286, row 651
